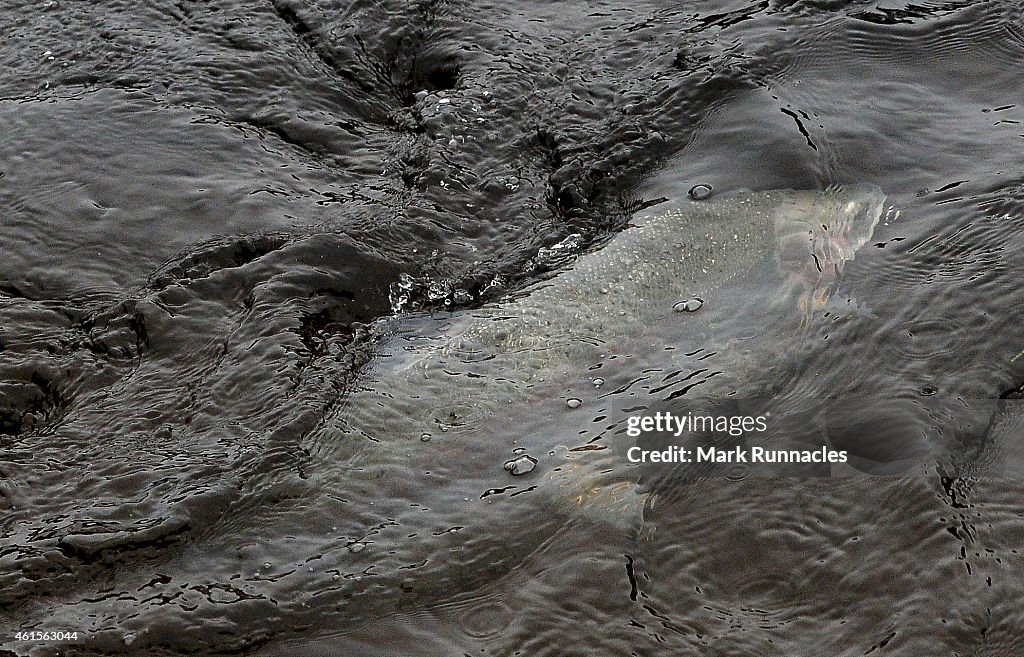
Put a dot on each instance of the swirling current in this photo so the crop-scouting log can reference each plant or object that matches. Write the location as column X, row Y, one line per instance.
column 247, row 249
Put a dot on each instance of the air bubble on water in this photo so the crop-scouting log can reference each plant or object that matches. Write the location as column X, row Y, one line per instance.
column 398, row 295
column 497, row 282
column 519, row 450
column 598, row 382
column 511, row 183
column 425, row 438
column 700, row 192
column 266, row 565
column 129, row 638
column 573, row 402
column 520, row 466
column 356, row 547
column 688, row 306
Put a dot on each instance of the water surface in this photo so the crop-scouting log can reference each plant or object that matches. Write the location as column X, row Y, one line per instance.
column 205, row 204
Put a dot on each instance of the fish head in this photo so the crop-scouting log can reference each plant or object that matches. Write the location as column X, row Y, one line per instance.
column 818, row 232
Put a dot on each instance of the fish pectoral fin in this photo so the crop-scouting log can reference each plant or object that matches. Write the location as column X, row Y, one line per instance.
column 791, row 295
column 646, row 528
column 618, row 504
column 645, row 532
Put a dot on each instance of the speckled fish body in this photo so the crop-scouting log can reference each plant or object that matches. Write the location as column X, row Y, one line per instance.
column 495, row 358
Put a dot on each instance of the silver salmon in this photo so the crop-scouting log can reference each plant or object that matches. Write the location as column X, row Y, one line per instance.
column 455, row 389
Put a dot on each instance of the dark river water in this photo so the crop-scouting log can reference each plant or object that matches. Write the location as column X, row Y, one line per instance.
column 225, row 225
